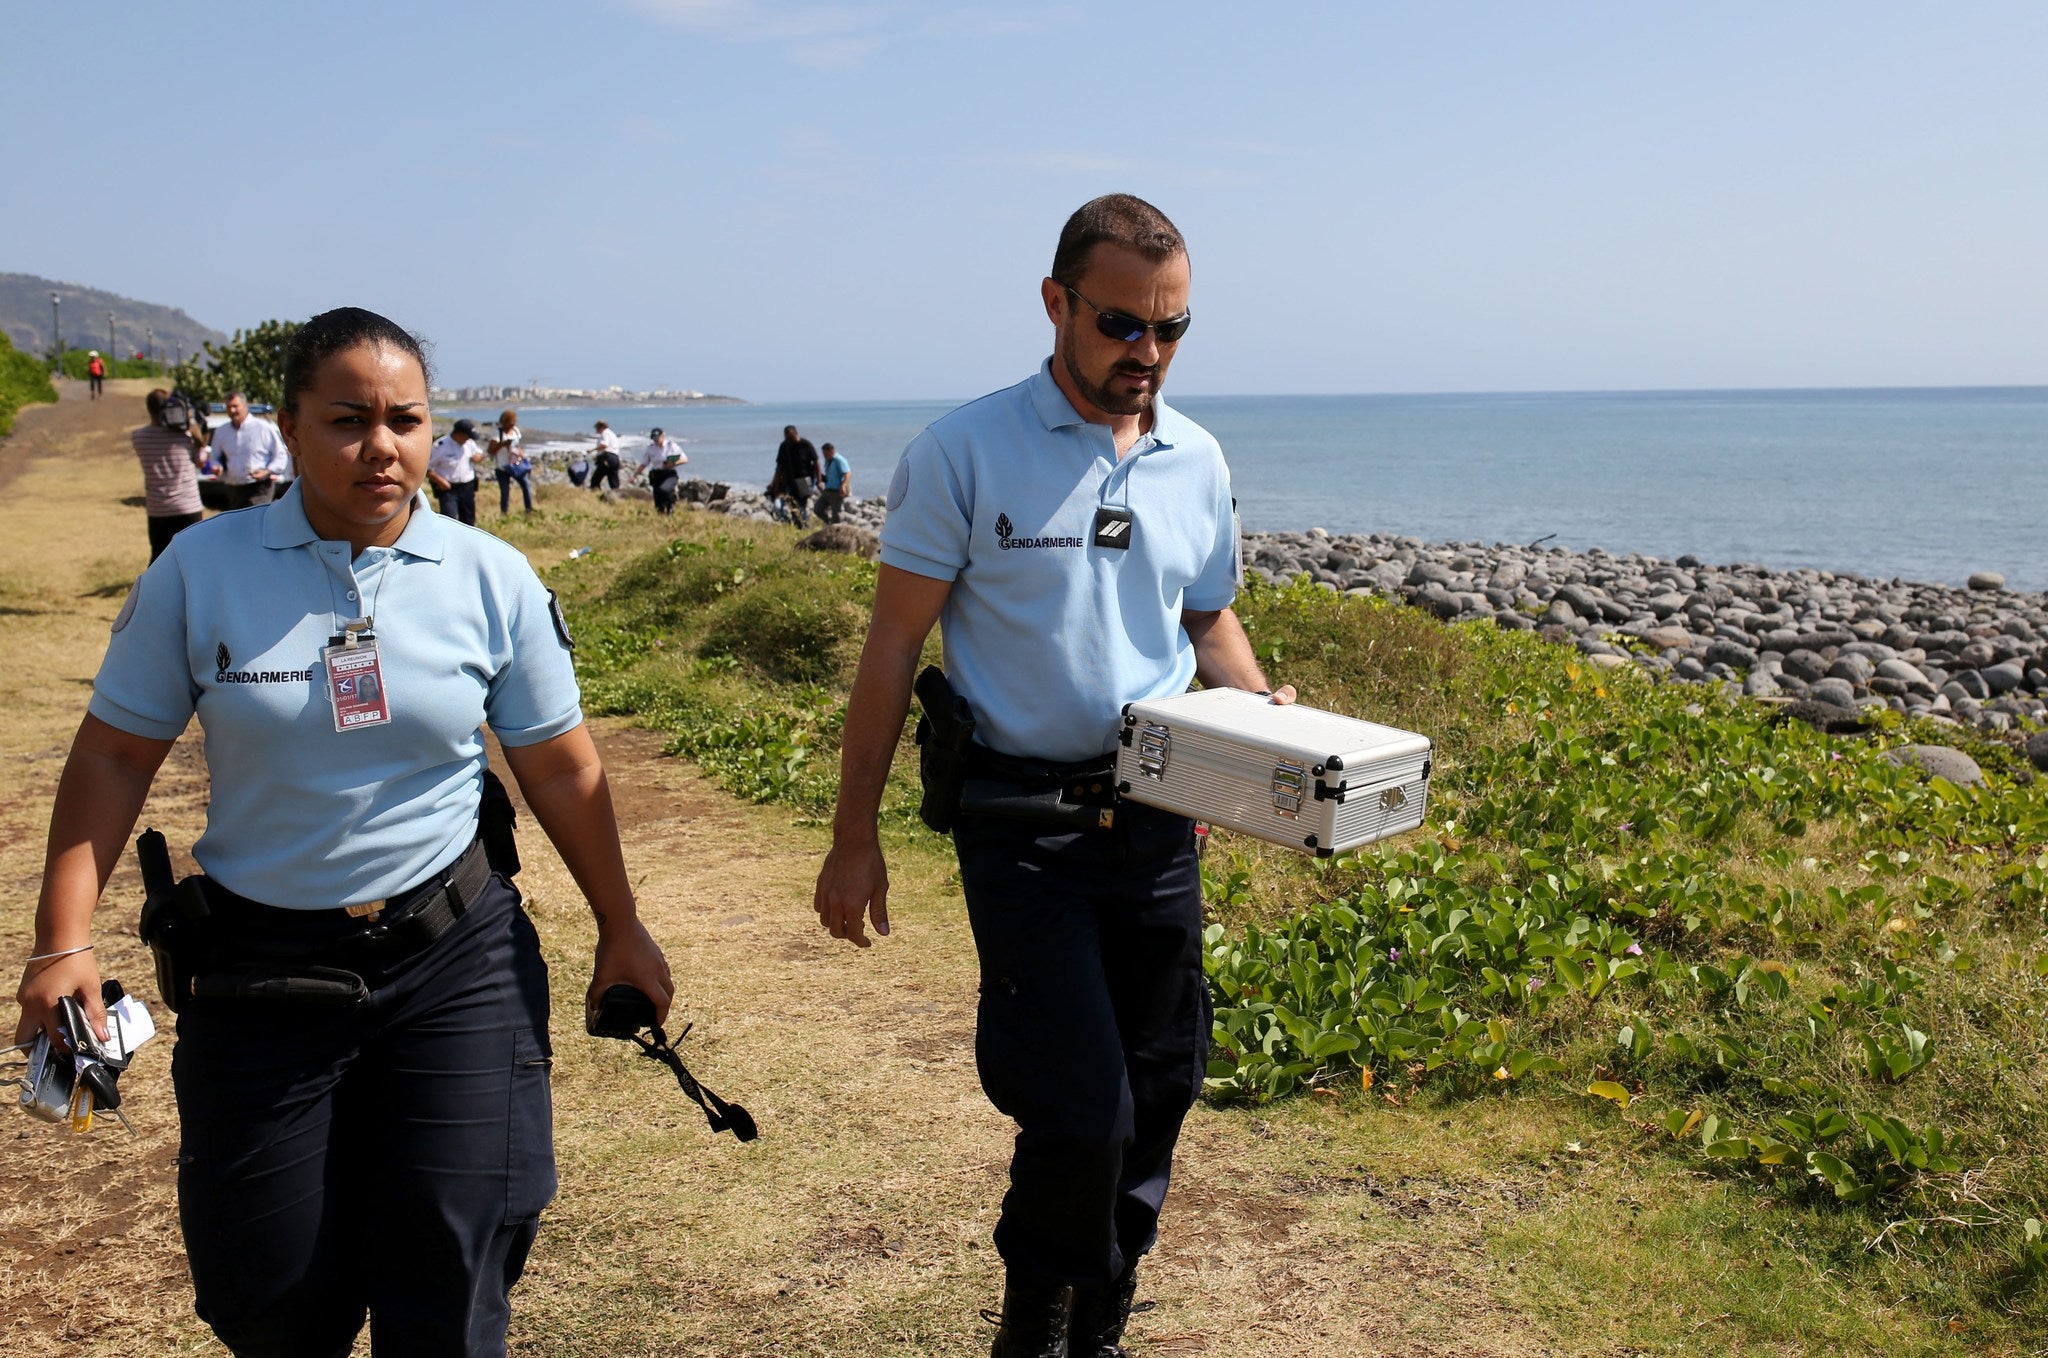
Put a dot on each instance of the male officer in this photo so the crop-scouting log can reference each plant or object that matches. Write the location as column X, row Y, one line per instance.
column 1073, row 536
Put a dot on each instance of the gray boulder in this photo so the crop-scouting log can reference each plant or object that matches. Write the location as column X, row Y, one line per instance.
column 1759, row 684
column 1804, row 664
column 1730, row 654
column 1939, row 761
column 2004, row 678
column 1837, row 692
column 1987, row 580
column 1904, row 673
column 2037, row 750
column 1854, row 668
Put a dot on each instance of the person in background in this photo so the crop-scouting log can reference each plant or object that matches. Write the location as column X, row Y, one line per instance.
column 250, row 450
column 509, row 463
column 796, row 467
column 1073, row 538
column 389, row 1159
column 451, row 469
column 170, row 474
column 661, row 458
column 604, row 463
column 835, row 485
column 95, row 372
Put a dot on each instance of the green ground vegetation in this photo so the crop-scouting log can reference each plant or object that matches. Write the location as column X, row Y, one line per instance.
column 75, row 361
column 24, row 380
column 1773, row 1006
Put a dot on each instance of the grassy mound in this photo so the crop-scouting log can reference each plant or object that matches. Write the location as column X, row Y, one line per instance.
column 1729, row 946
column 23, row 381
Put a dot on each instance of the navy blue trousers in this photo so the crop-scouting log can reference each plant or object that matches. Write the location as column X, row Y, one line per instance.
column 1094, row 1027
column 388, row 1161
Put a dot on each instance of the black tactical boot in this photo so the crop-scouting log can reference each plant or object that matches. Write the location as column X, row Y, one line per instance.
column 1033, row 1323
column 1100, row 1314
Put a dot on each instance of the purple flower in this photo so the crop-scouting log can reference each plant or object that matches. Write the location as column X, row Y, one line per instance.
column 1393, row 954
column 1626, row 826
column 1634, row 950
column 1535, row 982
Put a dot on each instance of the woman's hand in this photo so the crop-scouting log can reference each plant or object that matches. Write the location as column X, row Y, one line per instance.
column 628, row 955
column 45, row 983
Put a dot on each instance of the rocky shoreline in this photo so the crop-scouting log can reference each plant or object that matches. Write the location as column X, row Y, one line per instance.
column 1827, row 645
column 1830, row 644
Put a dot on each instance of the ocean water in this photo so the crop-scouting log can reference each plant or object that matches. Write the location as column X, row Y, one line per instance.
column 1926, row 484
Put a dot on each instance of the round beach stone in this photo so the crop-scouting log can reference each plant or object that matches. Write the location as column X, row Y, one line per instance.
column 2037, row 750
column 1728, row 653
column 1669, row 638
column 1804, row 664
column 1854, row 668
column 1833, row 690
column 1987, row 580
column 2004, row 678
column 1939, row 761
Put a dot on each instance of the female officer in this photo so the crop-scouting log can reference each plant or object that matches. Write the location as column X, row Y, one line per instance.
column 389, row 1155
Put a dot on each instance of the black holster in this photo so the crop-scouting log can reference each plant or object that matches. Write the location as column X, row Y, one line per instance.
column 496, row 818
column 176, row 922
column 944, row 734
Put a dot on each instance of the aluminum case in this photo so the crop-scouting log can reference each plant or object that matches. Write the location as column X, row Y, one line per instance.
column 1295, row 775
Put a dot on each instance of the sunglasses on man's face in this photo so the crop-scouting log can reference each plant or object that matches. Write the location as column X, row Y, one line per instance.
column 1126, row 329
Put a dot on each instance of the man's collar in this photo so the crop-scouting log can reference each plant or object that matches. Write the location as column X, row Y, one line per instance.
column 285, row 525
column 1057, row 412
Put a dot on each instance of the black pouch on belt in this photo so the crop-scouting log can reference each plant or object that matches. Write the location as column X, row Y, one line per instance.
column 944, row 733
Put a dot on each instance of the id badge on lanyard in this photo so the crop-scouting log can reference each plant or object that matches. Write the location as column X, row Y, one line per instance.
column 355, row 679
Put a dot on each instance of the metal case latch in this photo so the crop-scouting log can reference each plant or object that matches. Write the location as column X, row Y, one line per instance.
column 1155, row 748
column 1290, row 781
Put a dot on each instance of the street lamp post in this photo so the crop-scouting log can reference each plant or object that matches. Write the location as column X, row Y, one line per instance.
column 57, row 332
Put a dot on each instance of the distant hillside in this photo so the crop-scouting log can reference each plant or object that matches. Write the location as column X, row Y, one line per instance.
column 25, row 319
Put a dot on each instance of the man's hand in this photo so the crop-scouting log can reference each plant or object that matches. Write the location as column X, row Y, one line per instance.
column 1282, row 695
column 628, row 955
column 853, row 884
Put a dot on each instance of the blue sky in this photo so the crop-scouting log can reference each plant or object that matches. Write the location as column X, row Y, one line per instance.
column 837, row 201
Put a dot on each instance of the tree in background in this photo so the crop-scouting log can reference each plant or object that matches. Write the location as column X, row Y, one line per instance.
column 252, row 362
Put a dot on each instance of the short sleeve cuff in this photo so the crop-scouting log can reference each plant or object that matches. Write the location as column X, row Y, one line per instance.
column 1199, row 604
column 534, row 735
column 134, row 723
column 918, row 565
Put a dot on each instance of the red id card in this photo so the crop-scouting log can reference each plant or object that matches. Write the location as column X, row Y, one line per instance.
column 355, row 685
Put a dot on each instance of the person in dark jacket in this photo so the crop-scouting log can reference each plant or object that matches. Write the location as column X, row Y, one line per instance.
column 796, row 467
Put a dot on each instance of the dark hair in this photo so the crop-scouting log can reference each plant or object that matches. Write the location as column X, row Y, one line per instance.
column 1114, row 219
column 333, row 332
column 155, row 401
column 828, row 448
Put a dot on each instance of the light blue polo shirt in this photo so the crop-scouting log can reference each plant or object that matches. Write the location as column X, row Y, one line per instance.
column 230, row 623
column 1046, row 635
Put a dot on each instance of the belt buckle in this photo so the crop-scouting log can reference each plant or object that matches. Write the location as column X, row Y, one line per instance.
column 368, row 909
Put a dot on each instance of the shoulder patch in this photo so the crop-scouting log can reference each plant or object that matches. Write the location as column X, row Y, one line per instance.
column 128, row 605
column 899, row 484
column 561, row 622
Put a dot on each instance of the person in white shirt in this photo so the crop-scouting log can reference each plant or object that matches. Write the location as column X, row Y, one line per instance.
column 451, row 470
column 509, row 462
column 605, row 465
column 662, row 457
column 252, row 454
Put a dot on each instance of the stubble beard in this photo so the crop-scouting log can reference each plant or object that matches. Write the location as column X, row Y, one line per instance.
column 1100, row 395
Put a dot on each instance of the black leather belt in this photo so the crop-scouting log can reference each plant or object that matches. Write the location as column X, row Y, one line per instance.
column 395, row 927
column 1078, row 795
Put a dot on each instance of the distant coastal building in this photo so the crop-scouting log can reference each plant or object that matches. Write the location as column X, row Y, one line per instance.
column 612, row 395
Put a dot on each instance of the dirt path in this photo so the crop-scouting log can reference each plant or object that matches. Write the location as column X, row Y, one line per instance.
column 858, row 1225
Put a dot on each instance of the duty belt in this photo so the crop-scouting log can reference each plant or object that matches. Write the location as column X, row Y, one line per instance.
column 389, row 929
column 1076, row 796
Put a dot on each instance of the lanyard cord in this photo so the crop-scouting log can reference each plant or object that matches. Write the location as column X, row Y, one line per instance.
column 723, row 1116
